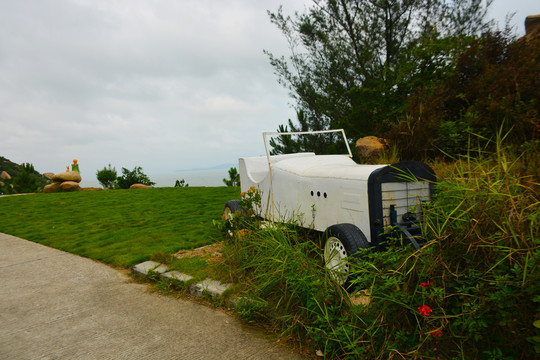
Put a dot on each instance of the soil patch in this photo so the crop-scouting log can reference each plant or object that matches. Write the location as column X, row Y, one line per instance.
column 210, row 253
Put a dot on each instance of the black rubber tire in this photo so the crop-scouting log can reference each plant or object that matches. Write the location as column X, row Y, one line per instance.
column 231, row 207
column 347, row 239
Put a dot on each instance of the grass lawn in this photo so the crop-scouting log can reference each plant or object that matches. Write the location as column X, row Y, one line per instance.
column 118, row 227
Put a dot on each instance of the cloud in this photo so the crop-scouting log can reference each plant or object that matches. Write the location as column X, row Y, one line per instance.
column 162, row 84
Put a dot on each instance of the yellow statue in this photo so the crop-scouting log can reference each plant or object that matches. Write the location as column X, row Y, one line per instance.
column 74, row 166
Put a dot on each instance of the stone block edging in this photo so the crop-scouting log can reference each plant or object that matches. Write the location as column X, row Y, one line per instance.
column 213, row 288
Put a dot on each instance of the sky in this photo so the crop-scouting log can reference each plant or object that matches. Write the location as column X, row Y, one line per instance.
column 162, row 84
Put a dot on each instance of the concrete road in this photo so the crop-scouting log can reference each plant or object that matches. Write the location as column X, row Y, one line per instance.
column 56, row 305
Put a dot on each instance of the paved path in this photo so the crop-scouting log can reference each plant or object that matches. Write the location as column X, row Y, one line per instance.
column 56, row 305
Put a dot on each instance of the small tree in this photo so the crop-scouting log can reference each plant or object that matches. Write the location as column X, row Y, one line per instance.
column 136, row 176
column 107, row 177
column 25, row 181
column 181, row 183
column 234, row 178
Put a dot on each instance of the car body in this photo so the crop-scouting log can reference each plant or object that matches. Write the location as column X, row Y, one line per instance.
column 335, row 195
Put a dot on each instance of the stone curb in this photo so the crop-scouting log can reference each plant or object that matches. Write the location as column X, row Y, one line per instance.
column 214, row 288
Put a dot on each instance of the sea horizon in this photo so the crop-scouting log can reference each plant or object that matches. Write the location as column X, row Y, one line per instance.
column 203, row 177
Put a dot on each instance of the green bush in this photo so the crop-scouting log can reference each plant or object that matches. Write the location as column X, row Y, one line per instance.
column 107, row 177
column 181, row 183
column 136, row 176
column 234, row 178
column 25, row 181
column 493, row 86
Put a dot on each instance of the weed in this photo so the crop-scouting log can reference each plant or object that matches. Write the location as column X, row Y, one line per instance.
column 470, row 292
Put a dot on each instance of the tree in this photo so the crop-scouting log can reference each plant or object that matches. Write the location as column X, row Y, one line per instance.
column 25, row 181
column 181, row 183
column 234, row 178
column 493, row 91
column 353, row 63
column 107, row 177
column 136, row 176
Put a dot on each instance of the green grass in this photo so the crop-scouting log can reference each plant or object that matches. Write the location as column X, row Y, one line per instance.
column 118, row 227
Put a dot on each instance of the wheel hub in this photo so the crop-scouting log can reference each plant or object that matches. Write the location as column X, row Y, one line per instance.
column 334, row 258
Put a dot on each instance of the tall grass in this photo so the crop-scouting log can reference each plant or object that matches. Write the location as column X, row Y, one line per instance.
column 473, row 291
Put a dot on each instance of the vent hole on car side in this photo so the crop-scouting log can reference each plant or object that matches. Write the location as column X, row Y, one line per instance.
column 318, row 193
column 325, row 196
column 312, row 193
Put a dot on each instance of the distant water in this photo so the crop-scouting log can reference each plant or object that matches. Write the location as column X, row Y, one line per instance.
column 193, row 178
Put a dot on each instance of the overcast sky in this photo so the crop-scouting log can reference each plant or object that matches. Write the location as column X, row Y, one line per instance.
column 162, row 84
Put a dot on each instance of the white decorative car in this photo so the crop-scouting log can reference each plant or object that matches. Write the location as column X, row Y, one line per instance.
column 355, row 206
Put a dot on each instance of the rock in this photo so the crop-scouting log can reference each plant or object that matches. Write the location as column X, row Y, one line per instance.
column 67, row 176
column 361, row 297
column 4, row 175
column 368, row 148
column 91, row 189
column 140, row 186
column 69, row 186
column 52, row 188
column 48, row 175
column 532, row 25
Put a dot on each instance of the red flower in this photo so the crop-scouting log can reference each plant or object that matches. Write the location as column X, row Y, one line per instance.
column 426, row 284
column 436, row 332
column 242, row 194
column 424, row 310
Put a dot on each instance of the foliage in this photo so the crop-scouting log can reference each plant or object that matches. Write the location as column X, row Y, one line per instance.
column 25, row 181
column 14, row 170
column 354, row 63
column 120, row 227
column 251, row 201
column 493, row 88
column 107, row 177
column 6, row 189
column 136, row 176
column 470, row 292
column 181, row 183
column 478, row 275
column 234, row 178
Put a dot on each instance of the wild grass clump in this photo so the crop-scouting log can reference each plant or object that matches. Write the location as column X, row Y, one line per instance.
column 473, row 291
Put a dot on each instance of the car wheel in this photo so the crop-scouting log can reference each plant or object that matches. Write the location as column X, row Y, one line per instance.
column 339, row 242
column 231, row 207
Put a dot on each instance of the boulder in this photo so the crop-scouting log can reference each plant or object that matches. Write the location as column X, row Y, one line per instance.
column 532, row 25
column 52, row 188
column 369, row 148
column 48, row 175
column 91, row 189
column 69, row 186
column 67, row 176
column 4, row 175
column 140, row 186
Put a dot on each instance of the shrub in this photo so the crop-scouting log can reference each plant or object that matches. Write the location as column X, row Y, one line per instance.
column 494, row 86
column 107, row 177
column 25, row 181
column 136, row 176
column 181, row 183
column 234, row 178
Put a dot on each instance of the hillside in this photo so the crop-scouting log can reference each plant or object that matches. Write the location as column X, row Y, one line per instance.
column 13, row 170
